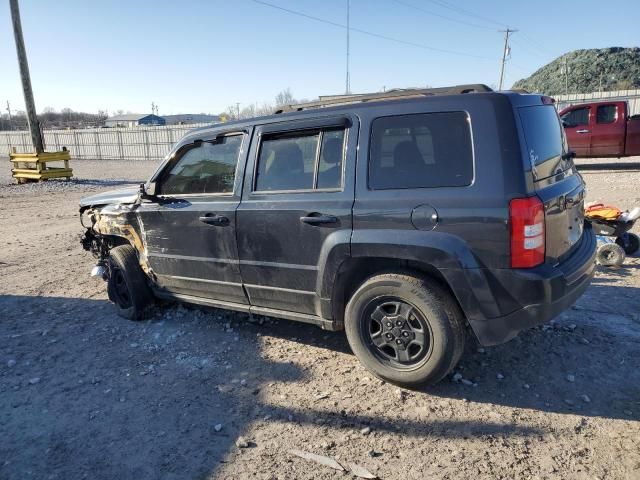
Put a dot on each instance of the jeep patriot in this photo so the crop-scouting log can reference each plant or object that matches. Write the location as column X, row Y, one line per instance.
column 406, row 218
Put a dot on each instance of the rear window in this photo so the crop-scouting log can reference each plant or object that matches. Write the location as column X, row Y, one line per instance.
column 543, row 134
column 421, row 151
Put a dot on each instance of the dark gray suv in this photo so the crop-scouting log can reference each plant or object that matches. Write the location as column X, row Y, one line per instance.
column 401, row 218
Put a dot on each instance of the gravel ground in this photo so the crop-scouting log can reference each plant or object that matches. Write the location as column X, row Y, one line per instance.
column 195, row 393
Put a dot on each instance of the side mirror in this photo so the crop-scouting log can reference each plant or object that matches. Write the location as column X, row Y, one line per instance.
column 147, row 191
column 570, row 155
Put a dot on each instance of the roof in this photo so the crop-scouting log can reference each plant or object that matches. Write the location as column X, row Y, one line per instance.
column 395, row 94
column 129, row 117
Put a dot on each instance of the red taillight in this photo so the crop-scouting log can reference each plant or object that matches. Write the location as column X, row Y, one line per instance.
column 527, row 232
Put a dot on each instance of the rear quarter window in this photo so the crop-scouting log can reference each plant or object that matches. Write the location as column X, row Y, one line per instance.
column 421, row 151
column 544, row 136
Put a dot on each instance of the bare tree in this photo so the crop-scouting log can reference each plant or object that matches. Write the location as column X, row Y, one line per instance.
column 285, row 97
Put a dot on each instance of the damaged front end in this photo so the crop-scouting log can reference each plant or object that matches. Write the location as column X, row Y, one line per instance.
column 110, row 225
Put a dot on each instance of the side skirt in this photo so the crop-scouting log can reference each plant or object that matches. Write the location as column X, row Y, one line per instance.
column 239, row 307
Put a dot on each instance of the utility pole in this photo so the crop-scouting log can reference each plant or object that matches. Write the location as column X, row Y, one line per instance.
column 347, row 89
column 566, row 76
column 34, row 125
column 505, row 51
column 9, row 112
column 238, row 110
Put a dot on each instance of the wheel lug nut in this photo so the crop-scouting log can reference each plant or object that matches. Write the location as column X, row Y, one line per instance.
column 389, row 324
column 389, row 335
column 405, row 334
column 399, row 323
column 399, row 342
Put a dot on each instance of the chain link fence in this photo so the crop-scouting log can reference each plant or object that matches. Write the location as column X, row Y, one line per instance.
column 137, row 143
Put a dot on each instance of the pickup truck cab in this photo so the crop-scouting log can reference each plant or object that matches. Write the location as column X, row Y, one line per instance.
column 404, row 218
column 602, row 129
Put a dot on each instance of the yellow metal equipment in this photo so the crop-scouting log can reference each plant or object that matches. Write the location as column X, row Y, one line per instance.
column 33, row 166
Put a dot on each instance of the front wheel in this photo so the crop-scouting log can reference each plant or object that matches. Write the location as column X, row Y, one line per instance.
column 127, row 284
column 404, row 329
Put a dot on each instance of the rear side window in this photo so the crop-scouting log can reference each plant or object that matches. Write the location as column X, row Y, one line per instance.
column 543, row 134
column 577, row 117
column 421, row 151
column 606, row 114
column 308, row 160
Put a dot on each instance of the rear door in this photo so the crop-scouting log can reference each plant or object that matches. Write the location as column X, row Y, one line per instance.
column 557, row 182
column 608, row 132
column 578, row 130
column 296, row 206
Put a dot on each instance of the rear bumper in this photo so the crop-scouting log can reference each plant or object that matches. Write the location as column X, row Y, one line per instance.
column 538, row 294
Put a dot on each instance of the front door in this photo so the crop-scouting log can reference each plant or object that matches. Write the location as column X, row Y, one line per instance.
column 578, row 130
column 296, row 210
column 190, row 229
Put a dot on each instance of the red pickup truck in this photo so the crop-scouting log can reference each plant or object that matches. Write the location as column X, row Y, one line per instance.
column 602, row 129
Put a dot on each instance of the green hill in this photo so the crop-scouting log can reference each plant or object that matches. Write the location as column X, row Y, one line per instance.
column 591, row 70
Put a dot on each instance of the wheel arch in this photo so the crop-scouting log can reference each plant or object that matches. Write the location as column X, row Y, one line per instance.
column 355, row 271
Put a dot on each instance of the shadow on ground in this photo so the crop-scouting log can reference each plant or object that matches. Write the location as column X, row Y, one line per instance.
column 87, row 394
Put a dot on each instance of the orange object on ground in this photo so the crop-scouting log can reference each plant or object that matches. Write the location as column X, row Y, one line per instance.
column 601, row 211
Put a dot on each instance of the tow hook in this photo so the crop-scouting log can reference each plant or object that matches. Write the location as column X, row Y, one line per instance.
column 99, row 271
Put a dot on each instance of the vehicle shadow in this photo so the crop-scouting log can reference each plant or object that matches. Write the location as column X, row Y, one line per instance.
column 582, row 363
column 88, row 394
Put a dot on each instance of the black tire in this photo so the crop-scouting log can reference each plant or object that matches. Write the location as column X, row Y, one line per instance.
column 610, row 255
column 425, row 309
column 632, row 244
column 127, row 283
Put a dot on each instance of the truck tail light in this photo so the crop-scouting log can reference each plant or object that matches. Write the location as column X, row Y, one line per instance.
column 527, row 232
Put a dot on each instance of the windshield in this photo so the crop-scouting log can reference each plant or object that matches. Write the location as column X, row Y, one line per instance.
column 545, row 138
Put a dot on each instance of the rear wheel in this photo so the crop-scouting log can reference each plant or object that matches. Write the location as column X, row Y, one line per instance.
column 127, row 284
column 404, row 329
column 610, row 255
column 629, row 242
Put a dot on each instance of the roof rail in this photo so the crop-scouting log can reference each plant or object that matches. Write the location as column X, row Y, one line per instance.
column 390, row 95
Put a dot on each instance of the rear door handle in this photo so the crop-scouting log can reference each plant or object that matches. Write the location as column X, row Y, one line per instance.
column 318, row 219
column 583, row 131
column 215, row 220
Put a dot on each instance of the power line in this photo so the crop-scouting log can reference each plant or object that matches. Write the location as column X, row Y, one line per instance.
column 366, row 32
column 428, row 12
column 537, row 45
column 468, row 13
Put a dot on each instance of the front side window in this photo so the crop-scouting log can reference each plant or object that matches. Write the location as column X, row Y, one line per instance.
column 421, row 151
column 206, row 167
column 606, row 114
column 308, row 160
column 576, row 118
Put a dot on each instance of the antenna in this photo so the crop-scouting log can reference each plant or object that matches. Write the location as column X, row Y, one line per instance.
column 348, row 82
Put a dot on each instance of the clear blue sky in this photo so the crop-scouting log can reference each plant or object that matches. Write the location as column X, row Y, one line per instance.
column 201, row 56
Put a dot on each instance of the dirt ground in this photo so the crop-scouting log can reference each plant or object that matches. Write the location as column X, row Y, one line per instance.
column 195, row 393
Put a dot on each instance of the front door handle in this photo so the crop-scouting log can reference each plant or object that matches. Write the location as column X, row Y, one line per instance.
column 583, row 131
column 215, row 220
column 318, row 219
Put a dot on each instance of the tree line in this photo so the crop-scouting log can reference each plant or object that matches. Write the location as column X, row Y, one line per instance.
column 67, row 118
column 285, row 97
column 50, row 118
